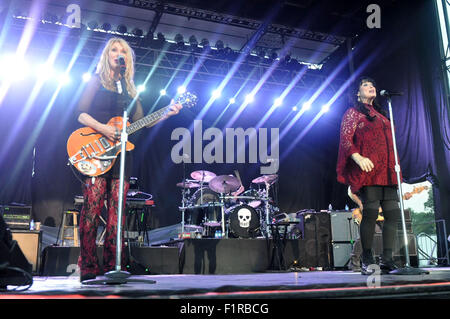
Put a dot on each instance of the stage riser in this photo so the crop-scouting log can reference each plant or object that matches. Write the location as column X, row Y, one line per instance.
column 194, row 256
column 216, row 256
column 62, row 261
column 228, row 256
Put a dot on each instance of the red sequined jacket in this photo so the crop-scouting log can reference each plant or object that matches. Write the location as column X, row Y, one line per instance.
column 371, row 139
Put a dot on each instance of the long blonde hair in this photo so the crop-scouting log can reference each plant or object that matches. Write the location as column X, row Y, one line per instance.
column 104, row 69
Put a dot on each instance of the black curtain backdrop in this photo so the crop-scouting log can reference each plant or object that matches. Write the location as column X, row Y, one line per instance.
column 403, row 55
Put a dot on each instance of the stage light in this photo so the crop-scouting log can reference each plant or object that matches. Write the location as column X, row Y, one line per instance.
column 13, row 68
column 204, row 43
column 326, row 108
column 287, row 58
column 294, row 108
column 162, row 92
column 249, row 98
column 161, row 37
column 121, row 28
column 273, row 54
column 216, row 93
column 64, row 79
column 86, row 77
column 92, row 25
column 181, row 89
column 306, row 105
column 44, row 72
column 261, row 53
column 219, row 45
column 179, row 39
column 106, row 26
column 278, row 102
column 193, row 41
column 51, row 18
column 141, row 88
column 232, row 100
column 138, row 32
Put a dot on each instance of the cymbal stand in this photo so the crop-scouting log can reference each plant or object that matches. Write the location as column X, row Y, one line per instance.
column 183, row 199
column 267, row 210
column 222, row 211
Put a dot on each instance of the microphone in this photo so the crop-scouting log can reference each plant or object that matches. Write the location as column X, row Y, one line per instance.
column 122, row 64
column 387, row 93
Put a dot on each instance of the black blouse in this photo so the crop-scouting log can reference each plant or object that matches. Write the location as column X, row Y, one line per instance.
column 102, row 105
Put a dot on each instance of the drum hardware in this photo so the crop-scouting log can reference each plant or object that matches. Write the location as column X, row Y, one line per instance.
column 188, row 184
column 202, row 207
column 267, row 180
column 203, row 177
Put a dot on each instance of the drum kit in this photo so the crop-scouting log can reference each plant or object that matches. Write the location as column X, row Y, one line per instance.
column 217, row 203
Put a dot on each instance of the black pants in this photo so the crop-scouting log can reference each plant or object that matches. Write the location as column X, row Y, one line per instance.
column 372, row 198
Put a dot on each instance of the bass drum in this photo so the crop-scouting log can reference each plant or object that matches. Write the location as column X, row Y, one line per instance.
column 205, row 208
column 243, row 222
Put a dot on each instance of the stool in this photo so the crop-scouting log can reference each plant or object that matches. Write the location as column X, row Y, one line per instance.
column 62, row 228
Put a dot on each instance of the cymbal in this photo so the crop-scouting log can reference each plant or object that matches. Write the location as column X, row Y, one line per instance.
column 269, row 179
column 224, row 184
column 188, row 185
column 205, row 176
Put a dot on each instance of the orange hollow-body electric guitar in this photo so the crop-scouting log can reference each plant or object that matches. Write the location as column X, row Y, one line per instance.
column 93, row 154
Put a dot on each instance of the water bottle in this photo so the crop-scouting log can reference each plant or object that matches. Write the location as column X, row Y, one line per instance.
column 219, row 233
column 216, row 234
column 32, row 225
column 346, row 207
column 330, row 208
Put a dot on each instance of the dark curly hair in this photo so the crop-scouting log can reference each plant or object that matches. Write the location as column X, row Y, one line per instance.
column 360, row 107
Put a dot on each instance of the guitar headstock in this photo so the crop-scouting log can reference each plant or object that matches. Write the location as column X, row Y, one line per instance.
column 188, row 99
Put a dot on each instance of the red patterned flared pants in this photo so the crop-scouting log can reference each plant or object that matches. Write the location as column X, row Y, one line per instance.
column 95, row 191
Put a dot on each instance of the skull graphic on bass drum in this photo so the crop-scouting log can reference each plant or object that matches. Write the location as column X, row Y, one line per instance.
column 244, row 216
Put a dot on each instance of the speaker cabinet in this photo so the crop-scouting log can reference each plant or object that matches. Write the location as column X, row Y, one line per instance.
column 399, row 245
column 343, row 228
column 341, row 254
column 11, row 259
column 30, row 243
column 315, row 231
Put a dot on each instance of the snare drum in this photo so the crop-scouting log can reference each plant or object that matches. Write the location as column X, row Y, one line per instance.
column 243, row 221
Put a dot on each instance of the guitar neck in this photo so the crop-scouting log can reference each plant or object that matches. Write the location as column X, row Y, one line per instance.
column 147, row 120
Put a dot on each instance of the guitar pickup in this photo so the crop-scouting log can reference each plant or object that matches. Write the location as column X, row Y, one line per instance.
column 105, row 143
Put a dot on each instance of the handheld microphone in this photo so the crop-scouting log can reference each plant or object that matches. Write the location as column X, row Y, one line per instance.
column 388, row 93
column 122, row 64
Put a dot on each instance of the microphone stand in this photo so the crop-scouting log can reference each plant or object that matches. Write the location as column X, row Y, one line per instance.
column 407, row 270
column 117, row 276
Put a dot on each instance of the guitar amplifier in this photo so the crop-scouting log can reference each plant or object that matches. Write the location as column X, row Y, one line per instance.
column 16, row 217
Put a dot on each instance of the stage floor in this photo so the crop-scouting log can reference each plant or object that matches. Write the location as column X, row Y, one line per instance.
column 273, row 285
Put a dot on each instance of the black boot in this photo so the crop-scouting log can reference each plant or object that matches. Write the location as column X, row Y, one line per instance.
column 387, row 263
column 367, row 260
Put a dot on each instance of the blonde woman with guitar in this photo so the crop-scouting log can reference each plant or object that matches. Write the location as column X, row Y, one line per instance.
column 107, row 94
